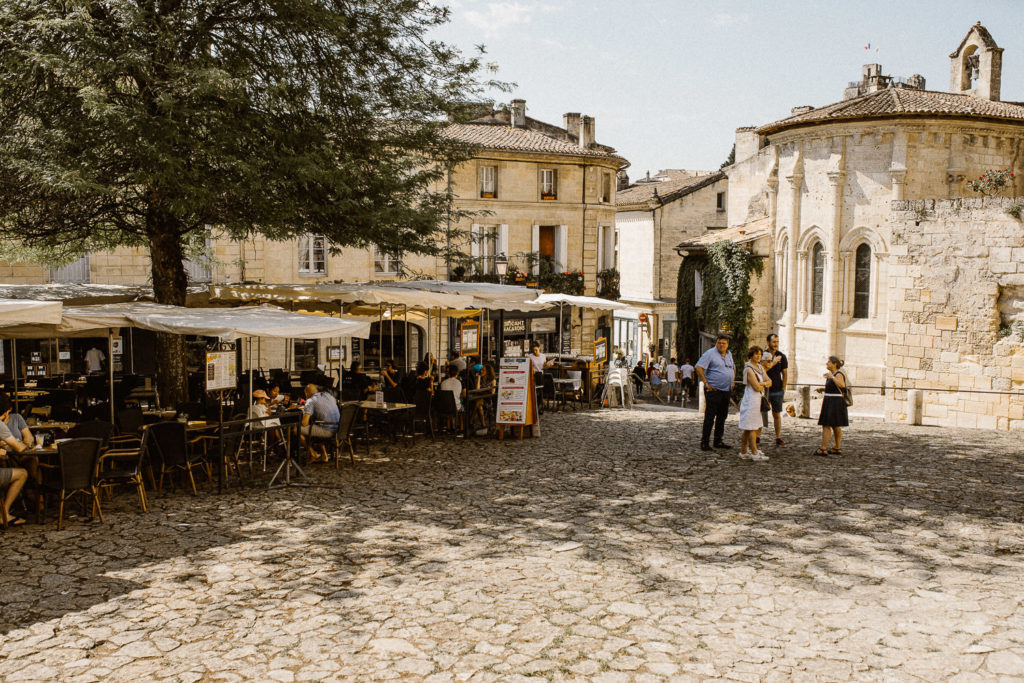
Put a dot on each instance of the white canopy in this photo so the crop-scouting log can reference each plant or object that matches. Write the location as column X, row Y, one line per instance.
column 226, row 323
column 484, row 294
column 370, row 294
column 594, row 302
column 19, row 312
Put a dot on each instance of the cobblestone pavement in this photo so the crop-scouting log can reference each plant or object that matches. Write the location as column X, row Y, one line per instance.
column 610, row 549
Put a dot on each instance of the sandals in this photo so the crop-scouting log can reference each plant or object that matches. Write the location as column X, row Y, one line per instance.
column 822, row 452
column 834, row 451
column 16, row 521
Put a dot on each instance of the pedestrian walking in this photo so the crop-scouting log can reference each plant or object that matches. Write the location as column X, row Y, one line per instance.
column 686, row 380
column 834, row 415
column 777, row 366
column 656, row 382
column 717, row 371
column 639, row 377
column 755, row 382
column 672, row 379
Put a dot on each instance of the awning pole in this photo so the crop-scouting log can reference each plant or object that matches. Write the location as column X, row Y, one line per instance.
column 391, row 310
column 131, row 342
column 405, row 317
column 110, row 367
column 430, row 334
column 560, row 323
column 14, row 369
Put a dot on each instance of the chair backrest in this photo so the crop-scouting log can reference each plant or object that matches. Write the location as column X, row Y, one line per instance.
column 95, row 429
column 549, row 384
column 576, row 376
column 422, row 401
column 168, row 442
column 394, row 395
column 349, row 414
column 77, row 459
column 446, row 404
column 130, row 420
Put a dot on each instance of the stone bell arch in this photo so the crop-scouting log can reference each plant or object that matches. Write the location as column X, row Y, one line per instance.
column 975, row 67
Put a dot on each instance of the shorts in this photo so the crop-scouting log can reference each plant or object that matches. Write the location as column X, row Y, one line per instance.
column 318, row 432
column 775, row 398
column 6, row 475
column 673, row 386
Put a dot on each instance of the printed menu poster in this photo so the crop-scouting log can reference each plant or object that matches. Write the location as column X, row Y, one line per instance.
column 220, row 370
column 513, row 391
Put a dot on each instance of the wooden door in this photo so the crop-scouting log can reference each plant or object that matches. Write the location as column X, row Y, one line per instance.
column 547, row 241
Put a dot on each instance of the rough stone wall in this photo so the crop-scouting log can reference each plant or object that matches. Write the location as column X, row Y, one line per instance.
column 956, row 277
column 684, row 219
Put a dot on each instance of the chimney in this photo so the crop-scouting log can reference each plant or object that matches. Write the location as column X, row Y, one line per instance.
column 916, row 82
column 586, row 131
column 748, row 142
column 571, row 123
column 519, row 113
column 803, row 109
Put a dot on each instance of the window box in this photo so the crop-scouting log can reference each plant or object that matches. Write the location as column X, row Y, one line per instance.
column 487, row 195
column 548, row 197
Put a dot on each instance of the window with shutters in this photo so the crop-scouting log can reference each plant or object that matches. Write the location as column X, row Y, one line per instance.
column 488, row 182
column 548, row 184
column 862, row 282
column 817, row 278
column 312, row 255
column 487, row 249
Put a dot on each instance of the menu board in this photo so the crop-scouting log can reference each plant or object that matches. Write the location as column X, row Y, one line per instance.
column 469, row 338
column 601, row 349
column 514, row 391
column 220, row 370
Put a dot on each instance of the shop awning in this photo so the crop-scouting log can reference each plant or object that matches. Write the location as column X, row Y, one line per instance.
column 363, row 293
column 592, row 302
column 20, row 312
column 225, row 323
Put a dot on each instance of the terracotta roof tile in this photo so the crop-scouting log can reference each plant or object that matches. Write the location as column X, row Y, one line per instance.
column 899, row 102
column 505, row 138
column 748, row 232
column 667, row 191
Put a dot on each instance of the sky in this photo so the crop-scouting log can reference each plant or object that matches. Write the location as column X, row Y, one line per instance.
column 669, row 81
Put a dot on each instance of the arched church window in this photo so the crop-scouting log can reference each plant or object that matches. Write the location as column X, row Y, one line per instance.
column 862, row 282
column 817, row 278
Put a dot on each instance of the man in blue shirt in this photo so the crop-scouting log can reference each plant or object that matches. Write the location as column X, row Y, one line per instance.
column 717, row 371
column 320, row 417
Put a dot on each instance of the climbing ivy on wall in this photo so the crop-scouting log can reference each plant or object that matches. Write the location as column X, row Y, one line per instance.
column 725, row 270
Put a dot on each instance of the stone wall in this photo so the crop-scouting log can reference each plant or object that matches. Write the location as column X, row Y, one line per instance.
column 684, row 219
column 956, row 296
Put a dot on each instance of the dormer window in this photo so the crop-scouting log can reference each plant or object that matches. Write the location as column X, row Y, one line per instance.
column 548, row 184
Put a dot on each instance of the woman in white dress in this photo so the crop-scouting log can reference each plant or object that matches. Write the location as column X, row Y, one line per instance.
column 755, row 381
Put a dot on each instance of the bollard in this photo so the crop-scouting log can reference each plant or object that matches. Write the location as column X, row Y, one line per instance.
column 803, row 402
column 701, row 403
column 915, row 406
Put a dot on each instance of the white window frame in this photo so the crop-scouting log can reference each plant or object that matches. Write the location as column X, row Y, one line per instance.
column 489, row 182
column 549, row 183
column 385, row 263
column 309, row 249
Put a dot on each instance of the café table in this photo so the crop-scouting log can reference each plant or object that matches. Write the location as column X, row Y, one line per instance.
column 563, row 385
column 388, row 410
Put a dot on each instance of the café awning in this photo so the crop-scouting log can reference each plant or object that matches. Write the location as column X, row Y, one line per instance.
column 362, row 293
column 20, row 312
column 592, row 302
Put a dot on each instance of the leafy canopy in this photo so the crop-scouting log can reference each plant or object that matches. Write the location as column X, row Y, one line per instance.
column 122, row 120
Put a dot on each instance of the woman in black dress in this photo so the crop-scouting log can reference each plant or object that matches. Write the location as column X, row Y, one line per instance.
column 833, row 408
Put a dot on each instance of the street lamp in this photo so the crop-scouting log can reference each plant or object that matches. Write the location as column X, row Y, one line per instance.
column 501, row 267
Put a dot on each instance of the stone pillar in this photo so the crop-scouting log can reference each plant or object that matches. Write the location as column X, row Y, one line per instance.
column 793, row 299
column 773, row 202
column 914, row 406
column 803, row 402
column 833, row 271
column 847, row 277
column 801, row 284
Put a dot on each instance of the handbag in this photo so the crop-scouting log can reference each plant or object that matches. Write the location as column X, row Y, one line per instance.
column 845, row 391
column 766, row 407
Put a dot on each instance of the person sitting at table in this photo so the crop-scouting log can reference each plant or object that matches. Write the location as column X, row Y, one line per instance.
column 424, row 380
column 538, row 361
column 485, row 379
column 320, row 417
column 453, row 384
column 431, row 362
column 363, row 384
column 275, row 399
column 389, row 375
column 13, row 478
column 261, row 408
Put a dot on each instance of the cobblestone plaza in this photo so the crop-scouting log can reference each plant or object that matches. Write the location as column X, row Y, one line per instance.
column 609, row 549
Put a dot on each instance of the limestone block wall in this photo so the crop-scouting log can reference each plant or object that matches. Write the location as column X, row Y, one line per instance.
column 956, row 279
column 684, row 219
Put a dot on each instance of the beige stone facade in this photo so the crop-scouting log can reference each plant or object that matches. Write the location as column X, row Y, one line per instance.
column 825, row 181
column 956, row 313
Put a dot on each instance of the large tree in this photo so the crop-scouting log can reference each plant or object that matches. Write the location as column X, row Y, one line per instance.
column 144, row 122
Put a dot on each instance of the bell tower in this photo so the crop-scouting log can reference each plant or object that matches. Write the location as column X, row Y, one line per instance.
column 975, row 68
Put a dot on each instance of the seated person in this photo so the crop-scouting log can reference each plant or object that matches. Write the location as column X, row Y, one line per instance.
column 320, row 417
column 275, row 399
column 261, row 408
column 13, row 478
column 389, row 375
column 424, row 381
column 485, row 379
column 357, row 378
column 453, row 384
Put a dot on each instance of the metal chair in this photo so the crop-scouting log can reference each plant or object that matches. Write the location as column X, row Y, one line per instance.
column 170, row 448
column 448, row 408
column 423, row 412
column 127, row 464
column 75, row 473
column 95, row 429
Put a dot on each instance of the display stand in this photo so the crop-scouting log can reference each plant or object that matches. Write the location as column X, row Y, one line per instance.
column 517, row 396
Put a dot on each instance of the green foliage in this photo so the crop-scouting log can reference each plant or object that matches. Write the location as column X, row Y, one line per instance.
column 731, row 159
column 727, row 303
column 608, row 284
column 1015, row 210
column 119, row 121
column 568, row 282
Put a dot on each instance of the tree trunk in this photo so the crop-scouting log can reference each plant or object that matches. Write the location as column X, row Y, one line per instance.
column 169, row 287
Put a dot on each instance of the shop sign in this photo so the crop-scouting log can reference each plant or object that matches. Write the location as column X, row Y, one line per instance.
column 220, row 370
column 515, row 326
column 543, row 325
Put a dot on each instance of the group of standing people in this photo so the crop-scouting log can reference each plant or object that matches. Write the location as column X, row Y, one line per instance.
column 764, row 377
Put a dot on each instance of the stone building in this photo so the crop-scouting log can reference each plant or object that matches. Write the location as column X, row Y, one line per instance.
column 652, row 217
column 826, row 181
column 544, row 196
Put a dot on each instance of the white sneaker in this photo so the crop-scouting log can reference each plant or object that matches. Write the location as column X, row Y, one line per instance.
column 746, row 456
column 759, row 457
